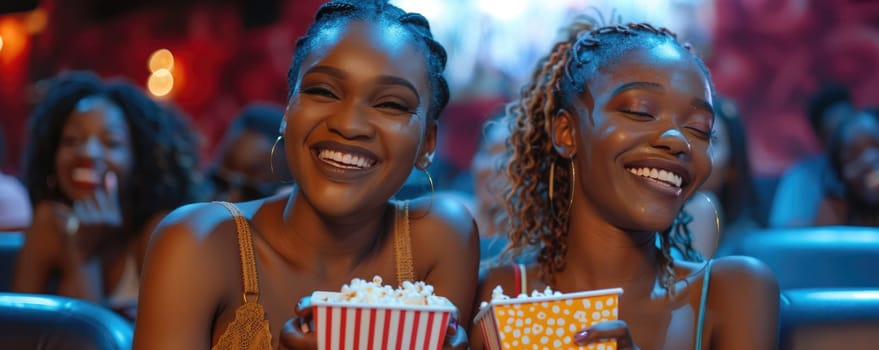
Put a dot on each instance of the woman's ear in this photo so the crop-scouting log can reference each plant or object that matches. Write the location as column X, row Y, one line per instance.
column 428, row 149
column 564, row 133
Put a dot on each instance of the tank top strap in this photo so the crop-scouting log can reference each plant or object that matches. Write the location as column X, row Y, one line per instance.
column 249, row 276
column 521, row 278
column 703, row 301
column 403, row 243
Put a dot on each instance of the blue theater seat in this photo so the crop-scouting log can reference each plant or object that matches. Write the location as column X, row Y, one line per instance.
column 829, row 318
column 10, row 244
column 813, row 257
column 35, row 321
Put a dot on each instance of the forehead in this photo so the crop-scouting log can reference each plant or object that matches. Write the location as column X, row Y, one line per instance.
column 664, row 63
column 97, row 110
column 864, row 127
column 362, row 46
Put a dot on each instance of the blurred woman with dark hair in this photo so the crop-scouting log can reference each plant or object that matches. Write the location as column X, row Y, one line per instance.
column 854, row 154
column 103, row 164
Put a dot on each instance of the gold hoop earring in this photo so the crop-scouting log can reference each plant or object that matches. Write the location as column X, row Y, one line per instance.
column 716, row 219
column 272, row 161
column 432, row 189
column 552, row 185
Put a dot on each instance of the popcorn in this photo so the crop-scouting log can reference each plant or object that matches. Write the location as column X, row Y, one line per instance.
column 374, row 292
column 371, row 315
column 544, row 319
column 498, row 294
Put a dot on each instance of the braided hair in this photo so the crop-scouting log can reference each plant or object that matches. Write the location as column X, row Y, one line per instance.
column 560, row 77
column 339, row 13
column 164, row 173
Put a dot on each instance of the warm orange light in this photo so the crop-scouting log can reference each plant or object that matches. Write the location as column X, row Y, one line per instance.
column 1, row 43
column 36, row 21
column 161, row 82
column 15, row 40
column 161, row 59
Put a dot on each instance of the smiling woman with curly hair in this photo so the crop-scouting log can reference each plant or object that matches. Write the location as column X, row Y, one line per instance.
column 103, row 164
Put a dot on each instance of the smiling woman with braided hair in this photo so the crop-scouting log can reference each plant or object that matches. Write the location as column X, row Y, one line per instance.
column 609, row 140
column 366, row 88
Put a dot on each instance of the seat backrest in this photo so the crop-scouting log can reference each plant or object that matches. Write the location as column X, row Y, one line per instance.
column 36, row 321
column 813, row 257
column 829, row 319
column 10, row 244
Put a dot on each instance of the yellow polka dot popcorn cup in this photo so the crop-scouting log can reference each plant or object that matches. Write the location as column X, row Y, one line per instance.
column 547, row 322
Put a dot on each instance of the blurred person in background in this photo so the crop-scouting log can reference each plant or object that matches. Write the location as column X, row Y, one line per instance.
column 15, row 207
column 489, row 182
column 243, row 168
column 854, row 154
column 805, row 183
column 103, row 164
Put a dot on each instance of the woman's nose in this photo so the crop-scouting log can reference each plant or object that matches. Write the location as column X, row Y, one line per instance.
column 92, row 148
column 674, row 142
column 352, row 122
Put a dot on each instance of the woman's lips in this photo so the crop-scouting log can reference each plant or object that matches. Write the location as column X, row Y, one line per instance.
column 85, row 177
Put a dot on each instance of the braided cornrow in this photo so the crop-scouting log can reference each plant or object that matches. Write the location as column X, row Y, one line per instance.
column 338, row 13
column 559, row 79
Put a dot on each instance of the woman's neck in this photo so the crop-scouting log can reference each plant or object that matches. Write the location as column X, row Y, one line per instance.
column 602, row 256
column 354, row 235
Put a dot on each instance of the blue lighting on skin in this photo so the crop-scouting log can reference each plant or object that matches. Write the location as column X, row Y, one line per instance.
column 667, row 52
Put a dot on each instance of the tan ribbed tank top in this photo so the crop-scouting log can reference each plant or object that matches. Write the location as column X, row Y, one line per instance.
column 250, row 329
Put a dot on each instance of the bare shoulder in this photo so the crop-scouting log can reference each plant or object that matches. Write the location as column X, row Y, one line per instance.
column 43, row 231
column 444, row 226
column 742, row 271
column 442, row 214
column 744, row 299
column 743, row 290
column 192, row 235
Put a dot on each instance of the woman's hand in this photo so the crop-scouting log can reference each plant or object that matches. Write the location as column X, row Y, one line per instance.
column 456, row 337
column 617, row 330
column 95, row 219
column 298, row 332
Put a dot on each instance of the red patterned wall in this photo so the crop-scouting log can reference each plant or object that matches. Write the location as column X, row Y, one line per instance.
column 771, row 55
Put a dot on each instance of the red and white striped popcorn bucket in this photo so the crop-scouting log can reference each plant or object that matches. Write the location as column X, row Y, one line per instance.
column 547, row 322
column 344, row 326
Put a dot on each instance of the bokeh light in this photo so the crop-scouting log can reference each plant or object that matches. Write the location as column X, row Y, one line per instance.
column 161, row 59
column 161, row 82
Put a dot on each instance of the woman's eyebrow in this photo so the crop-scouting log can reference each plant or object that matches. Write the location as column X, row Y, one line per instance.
column 393, row 80
column 382, row 80
column 331, row 71
column 699, row 103
column 643, row 85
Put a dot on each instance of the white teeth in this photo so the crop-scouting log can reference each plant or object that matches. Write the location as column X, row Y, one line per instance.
column 659, row 174
column 88, row 175
column 346, row 160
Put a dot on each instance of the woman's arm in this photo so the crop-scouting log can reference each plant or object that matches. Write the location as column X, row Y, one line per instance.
column 743, row 297
column 448, row 242
column 182, row 282
column 38, row 256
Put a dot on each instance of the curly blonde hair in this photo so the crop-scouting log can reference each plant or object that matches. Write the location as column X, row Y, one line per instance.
column 538, row 224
